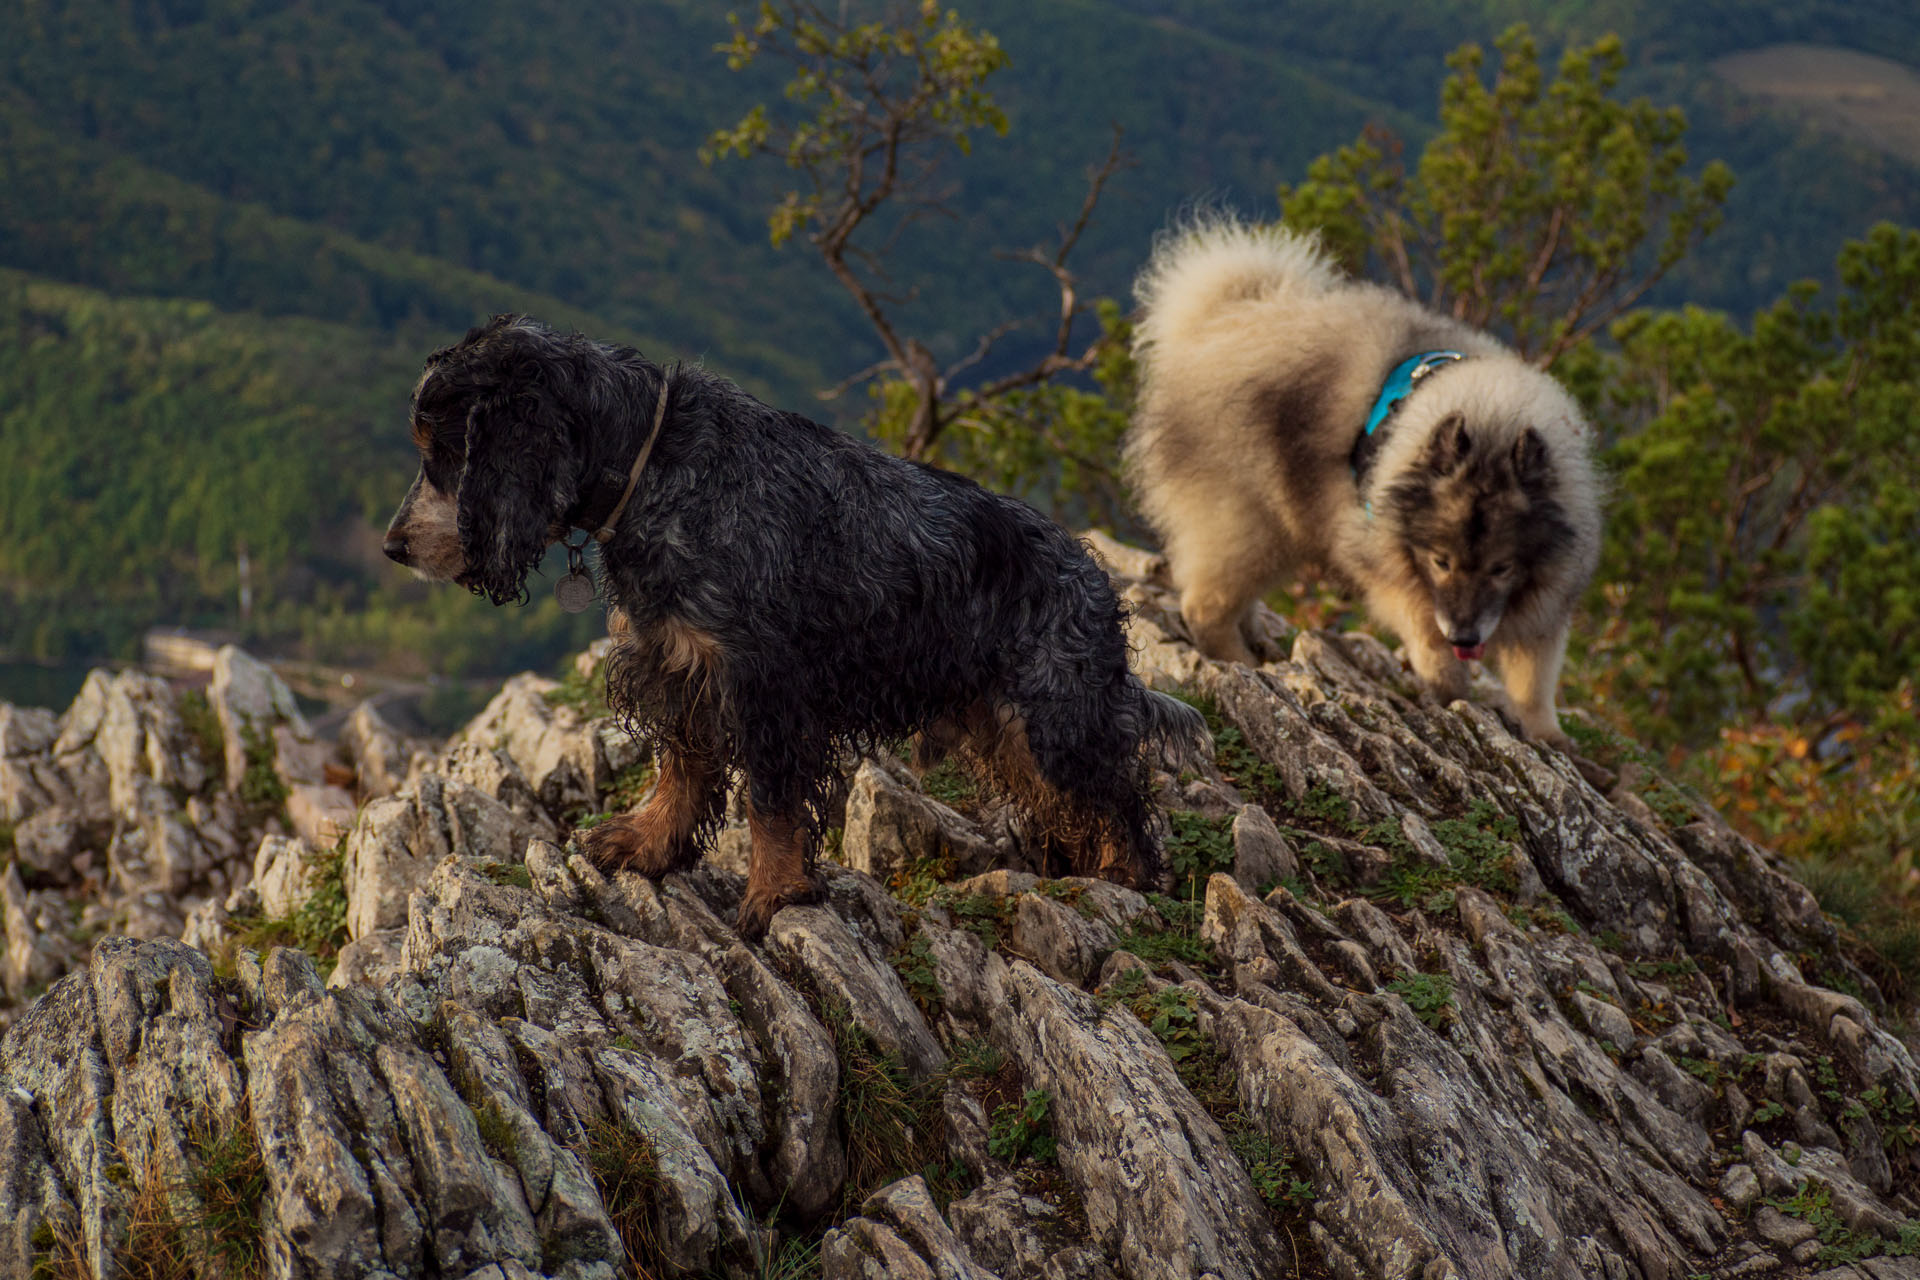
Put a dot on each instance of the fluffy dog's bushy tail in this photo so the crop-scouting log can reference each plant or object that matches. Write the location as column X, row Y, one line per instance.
column 1213, row 259
column 1178, row 731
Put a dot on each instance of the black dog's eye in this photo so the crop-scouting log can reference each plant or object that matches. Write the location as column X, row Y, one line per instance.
column 440, row 470
column 1503, row 568
column 1442, row 563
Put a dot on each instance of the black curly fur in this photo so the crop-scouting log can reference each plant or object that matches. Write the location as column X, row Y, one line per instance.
column 853, row 597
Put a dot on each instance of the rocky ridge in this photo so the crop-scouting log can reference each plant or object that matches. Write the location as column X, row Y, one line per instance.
column 1423, row 1003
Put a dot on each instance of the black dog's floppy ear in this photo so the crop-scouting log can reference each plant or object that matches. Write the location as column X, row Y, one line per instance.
column 520, row 478
column 1447, row 446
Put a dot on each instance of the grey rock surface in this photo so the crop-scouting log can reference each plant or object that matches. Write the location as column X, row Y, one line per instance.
column 1491, row 1023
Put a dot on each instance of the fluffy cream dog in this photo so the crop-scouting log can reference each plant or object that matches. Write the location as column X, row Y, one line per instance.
column 1291, row 417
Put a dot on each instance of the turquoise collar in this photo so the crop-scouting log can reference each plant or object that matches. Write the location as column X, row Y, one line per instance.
column 1401, row 381
column 1399, row 385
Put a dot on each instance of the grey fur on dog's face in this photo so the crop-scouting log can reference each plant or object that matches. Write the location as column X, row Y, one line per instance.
column 1479, row 522
column 424, row 534
column 499, row 436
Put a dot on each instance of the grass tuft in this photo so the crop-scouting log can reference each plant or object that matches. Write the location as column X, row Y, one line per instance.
column 626, row 1172
column 206, row 1225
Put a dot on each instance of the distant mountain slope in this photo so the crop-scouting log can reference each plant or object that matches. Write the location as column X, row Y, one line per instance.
column 144, row 445
column 392, row 170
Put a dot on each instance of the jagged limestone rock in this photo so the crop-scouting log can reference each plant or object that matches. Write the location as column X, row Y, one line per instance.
column 1493, row 1022
column 899, row 1235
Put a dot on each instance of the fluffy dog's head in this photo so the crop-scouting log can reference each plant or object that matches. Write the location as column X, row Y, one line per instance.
column 1480, row 523
column 497, row 420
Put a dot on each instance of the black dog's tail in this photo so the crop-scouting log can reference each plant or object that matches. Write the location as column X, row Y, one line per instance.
column 1178, row 730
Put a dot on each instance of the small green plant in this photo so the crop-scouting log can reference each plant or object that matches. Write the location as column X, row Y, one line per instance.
column 794, row 1258
column 1480, row 846
column 1198, row 847
column 1273, row 1168
column 261, row 786
column 974, row 1059
column 916, row 883
column 1706, row 1070
column 1429, row 995
column 984, row 915
column 586, row 694
column 1173, row 1015
column 514, row 874
column 1893, row 1112
column 1768, row 1112
column 1024, row 1130
column 318, row 926
column 1677, row 967
column 1158, row 947
column 1321, row 808
column 950, row 784
column 229, row 1184
column 205, row 1224
column 891, row 1120
column 1232, row 756
column 1480, row 853
column 202, row 724
column 1180, row 940
column 913, row 961
column 1839, row 1243
column 59, row 1253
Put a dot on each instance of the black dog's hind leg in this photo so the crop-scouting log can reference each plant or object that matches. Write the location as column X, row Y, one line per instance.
column 1083, row 806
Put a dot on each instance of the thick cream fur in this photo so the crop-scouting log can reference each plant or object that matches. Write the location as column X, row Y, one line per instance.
column 1259, row 363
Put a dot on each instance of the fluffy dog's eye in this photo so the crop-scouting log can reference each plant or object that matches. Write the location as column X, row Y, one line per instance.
column 1502, row 569
column 1442, row 563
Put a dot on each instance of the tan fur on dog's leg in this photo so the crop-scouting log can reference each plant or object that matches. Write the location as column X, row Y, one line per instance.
column 1220, row 564
column 1531, row 672
column 1215, row 623
column 657, row 839
column 777, row 873
column 1409, row 614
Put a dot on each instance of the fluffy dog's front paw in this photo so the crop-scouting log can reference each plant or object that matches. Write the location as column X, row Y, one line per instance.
column 758, row 907
column 632, row 844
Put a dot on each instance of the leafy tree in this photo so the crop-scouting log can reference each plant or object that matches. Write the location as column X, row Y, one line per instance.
column 1763, row 554
column 1532, row 208
column 882, row 102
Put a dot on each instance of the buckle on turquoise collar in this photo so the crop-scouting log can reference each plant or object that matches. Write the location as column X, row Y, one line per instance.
column 1405, row 376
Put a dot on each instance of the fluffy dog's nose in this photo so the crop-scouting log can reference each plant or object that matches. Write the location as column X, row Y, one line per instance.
column 396, row 549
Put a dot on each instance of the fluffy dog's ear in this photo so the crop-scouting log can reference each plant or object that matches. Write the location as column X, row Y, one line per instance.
column 520, row 478
column 1447, row 446
column 1530, row 459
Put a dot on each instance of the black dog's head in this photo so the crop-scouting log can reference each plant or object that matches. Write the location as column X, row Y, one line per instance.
column 498, row 421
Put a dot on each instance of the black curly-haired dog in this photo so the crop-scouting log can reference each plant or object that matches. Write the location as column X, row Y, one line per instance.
column 779, row 592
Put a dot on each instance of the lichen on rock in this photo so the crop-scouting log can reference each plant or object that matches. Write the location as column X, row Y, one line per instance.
column 1421, row 1001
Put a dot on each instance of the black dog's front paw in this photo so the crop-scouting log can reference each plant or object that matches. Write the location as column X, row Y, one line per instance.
column 632, row 843
column 761, row 905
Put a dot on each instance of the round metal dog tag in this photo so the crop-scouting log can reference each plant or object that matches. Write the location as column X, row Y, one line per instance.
column 574, row 592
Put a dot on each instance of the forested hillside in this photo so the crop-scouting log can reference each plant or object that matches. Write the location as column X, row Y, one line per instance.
column 323, row 192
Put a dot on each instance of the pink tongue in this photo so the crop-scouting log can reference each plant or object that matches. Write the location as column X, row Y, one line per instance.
column 1465, row 654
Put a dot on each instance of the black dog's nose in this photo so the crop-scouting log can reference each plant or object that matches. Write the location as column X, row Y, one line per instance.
column 1465, row 640
column 396, row 549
